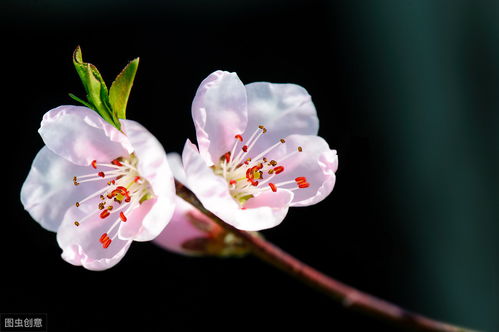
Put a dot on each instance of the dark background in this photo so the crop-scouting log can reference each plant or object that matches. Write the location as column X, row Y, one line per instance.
column 406, row 91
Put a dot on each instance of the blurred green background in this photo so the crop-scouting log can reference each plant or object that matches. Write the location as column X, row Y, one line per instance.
column 407, row 91
column 434, row 88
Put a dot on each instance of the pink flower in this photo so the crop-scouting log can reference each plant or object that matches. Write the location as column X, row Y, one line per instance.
column 258, row 151
column 97, row 187
column 192, row 233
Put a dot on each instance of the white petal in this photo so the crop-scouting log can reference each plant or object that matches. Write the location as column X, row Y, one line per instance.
column 265, row 211
column 81, row 135
column 49, row 192
column 211, row 189
column 153, row 166
column 81, row 244
column 219, row 112
column 175, row 162
column 156, row 214
column 317, row 162
column 284, row 109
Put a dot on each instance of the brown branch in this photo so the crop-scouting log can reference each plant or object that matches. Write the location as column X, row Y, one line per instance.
column 347, row 295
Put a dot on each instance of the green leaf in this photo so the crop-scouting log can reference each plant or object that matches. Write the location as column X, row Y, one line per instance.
column 120, row 89
column 81, row 101
column 95, row 87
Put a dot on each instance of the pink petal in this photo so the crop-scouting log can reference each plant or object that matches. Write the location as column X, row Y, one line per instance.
column 276, row 200
column 284, row 109
column 133, row 228
column 213, row 192
column 81, row 244
column 175, row 162
column 211, row 189
column 80, row 135
column 149, row 219
column 153, row 164
column 156, row 213
column 181, row 228
column 219, row 113
column 317, row 163
column 48, row 191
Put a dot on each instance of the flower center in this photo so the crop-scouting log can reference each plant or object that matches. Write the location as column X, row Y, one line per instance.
column 249, row 175
column 121, row 190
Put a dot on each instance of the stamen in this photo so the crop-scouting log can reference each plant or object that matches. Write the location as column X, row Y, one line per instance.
column 123, row 217
column 248, row 177
column 268, row 150
column 104, row 214
column 125, row 185
column 103, row 238
column 99, row 177
column 279, row 169
column 107, row 243
column 301, row 179
column 91, row 196
column 251, row 142
column 120, row 219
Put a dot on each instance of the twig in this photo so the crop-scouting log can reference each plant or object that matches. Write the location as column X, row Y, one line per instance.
column 347, row 295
